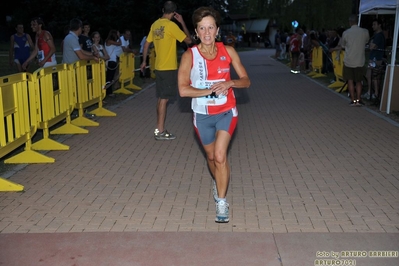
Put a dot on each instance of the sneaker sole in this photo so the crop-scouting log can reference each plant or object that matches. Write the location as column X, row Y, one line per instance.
column 157, row 138
column 222, row 219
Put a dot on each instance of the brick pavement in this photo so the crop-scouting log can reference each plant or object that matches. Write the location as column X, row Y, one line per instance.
column 302, row 161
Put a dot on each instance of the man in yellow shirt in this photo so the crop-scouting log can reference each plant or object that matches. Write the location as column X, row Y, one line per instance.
column 164, row 33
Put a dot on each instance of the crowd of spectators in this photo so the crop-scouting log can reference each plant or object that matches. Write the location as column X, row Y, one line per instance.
column 297, row 47
column 78, row 44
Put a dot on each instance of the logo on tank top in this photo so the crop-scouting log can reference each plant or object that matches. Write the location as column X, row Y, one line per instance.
column 223, row 70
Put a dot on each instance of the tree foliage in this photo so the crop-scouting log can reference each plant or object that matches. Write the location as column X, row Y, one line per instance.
column 311, row 14
column 137, row 16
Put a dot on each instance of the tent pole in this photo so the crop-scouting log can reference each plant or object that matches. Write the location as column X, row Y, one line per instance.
column 393, row 57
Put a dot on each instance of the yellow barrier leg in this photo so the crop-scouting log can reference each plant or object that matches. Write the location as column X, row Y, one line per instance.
column 133, row 87
column 100, row 111
column 84, row 122
column 6, row 185
column 343, row 88
column 49, row 145
column 318, row 75
column 336, row 84
column 30, row 156
column 123, row 91
column 312, row 73
column 69, row 129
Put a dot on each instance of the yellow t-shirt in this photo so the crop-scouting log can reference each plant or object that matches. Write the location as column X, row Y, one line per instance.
column 163, row 34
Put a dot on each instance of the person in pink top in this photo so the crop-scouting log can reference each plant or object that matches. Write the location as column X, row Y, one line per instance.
column 204, row 75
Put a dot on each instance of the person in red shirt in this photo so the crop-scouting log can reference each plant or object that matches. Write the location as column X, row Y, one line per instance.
column 204, row 75
column 44, row 46
column 295, row 49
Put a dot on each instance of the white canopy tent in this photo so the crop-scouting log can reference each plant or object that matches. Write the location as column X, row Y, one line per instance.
column 370, row 7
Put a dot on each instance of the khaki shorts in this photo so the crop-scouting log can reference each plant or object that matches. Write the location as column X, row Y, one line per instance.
column 353, row 73
column 166, row 84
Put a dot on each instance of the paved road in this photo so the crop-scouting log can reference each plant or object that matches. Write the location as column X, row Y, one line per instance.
column 309, row 173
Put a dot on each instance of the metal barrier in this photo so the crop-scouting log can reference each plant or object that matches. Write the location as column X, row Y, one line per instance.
column 127, row 73
column 89, row 90
column 18, row 123
column 55, row 103
column 317, row 63
column 338, row 63
column 42, row 100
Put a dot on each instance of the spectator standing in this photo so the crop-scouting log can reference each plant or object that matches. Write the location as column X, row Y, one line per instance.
column 316, row 43
column 377, row 52
column 231, row 39
column 44, row 47
column 125, row 42
column 322, row 36
column 213, row 101
column 84, row 38
column 125, row 47
column 113, row 46
column 277, row 44
column 72, row 51
column 164, row 33
column 354, row 41
column 97, row 48
column 295, row 47
column 20, row 47
column 332, row 46
column 335, row 40
column 239, row 40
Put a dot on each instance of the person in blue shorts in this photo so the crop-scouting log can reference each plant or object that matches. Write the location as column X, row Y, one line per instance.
column 20, row 47
column 204, row 76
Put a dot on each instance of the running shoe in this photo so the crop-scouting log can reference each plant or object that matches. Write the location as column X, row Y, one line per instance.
column 222, row 211
column 359, row 102
column 366, row 96
column 353, row 104
column 165, row 135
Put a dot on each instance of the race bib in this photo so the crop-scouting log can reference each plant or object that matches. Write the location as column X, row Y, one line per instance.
column 40, row 55
column 210, row 99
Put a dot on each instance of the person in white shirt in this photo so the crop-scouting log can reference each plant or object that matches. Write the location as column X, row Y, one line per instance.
column 125, row 41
